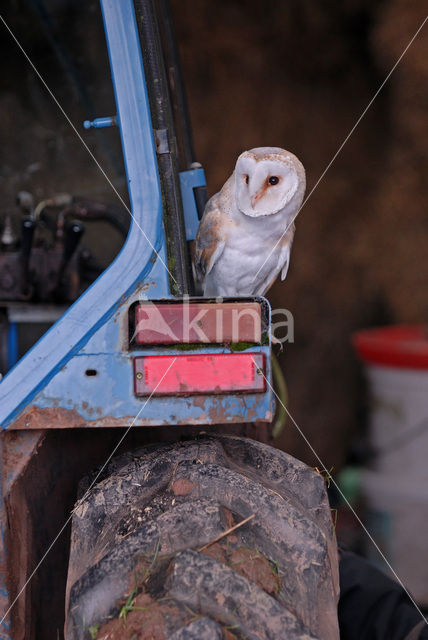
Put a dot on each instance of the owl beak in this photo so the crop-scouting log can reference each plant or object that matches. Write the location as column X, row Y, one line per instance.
column 255, row 198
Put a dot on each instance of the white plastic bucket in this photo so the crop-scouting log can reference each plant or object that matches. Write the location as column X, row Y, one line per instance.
column 395, row 489
column 398, row 423
column 397, row 516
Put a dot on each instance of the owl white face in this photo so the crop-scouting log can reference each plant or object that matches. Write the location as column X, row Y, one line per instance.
column 265, row 183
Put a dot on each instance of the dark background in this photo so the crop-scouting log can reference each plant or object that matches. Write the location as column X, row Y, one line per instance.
column 294, row 74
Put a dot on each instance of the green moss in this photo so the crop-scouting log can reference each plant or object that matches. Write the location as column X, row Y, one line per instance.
column 93, row 631
column 184, row 346
column 171, row 263
column 240, row 346
column 175, row 289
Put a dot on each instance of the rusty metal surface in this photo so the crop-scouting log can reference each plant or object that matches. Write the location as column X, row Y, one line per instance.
column 17, row 449
column 16, row 452
column 48, row 418
column 95, row 386
column 196, row 410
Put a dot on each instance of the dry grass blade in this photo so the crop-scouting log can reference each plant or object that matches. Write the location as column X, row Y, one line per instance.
column 226, row 533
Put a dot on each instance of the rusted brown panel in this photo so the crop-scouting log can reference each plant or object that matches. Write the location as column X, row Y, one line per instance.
column 20, row 560
column 38, row 505
column 17, row 449
column 59, row 418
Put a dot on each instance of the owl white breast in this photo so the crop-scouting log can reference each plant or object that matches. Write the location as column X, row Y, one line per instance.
column 245, row 235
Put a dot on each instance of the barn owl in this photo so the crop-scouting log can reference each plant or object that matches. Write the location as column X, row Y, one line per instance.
column 245, row 235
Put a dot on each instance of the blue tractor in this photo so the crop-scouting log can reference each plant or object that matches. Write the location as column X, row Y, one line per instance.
column 206, row 534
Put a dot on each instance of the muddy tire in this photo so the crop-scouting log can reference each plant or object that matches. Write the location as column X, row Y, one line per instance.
column 140, row 566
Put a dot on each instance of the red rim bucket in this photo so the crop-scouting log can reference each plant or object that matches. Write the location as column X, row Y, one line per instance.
column 403, row 346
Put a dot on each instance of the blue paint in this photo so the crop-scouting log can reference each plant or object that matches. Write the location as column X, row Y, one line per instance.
column 12, row 344
column 94, row 332
column 111, row 393
column 189, row 180
column 134, row 266
column 100, row 123
column 102, row 324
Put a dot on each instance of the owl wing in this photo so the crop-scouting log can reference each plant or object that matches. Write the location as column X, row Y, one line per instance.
column 282, row 264
column 284, row 256
column 210, row 239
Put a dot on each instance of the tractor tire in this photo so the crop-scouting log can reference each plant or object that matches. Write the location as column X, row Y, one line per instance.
column 154, row 554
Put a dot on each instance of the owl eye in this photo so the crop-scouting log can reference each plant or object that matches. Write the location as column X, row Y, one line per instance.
column 273, row 180
column 246, row 178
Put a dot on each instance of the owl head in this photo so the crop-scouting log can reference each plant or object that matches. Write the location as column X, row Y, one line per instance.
column 267, row 179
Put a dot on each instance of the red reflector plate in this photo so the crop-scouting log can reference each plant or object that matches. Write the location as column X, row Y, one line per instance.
column 199, row 373
column 198, row 322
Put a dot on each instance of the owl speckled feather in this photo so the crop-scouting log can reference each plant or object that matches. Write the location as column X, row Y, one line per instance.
column 237, row 252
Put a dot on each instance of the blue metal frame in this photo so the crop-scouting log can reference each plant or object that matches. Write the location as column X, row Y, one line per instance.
column 190, row 180
column 136, row 269
column 12, row 345
column 49, row 386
